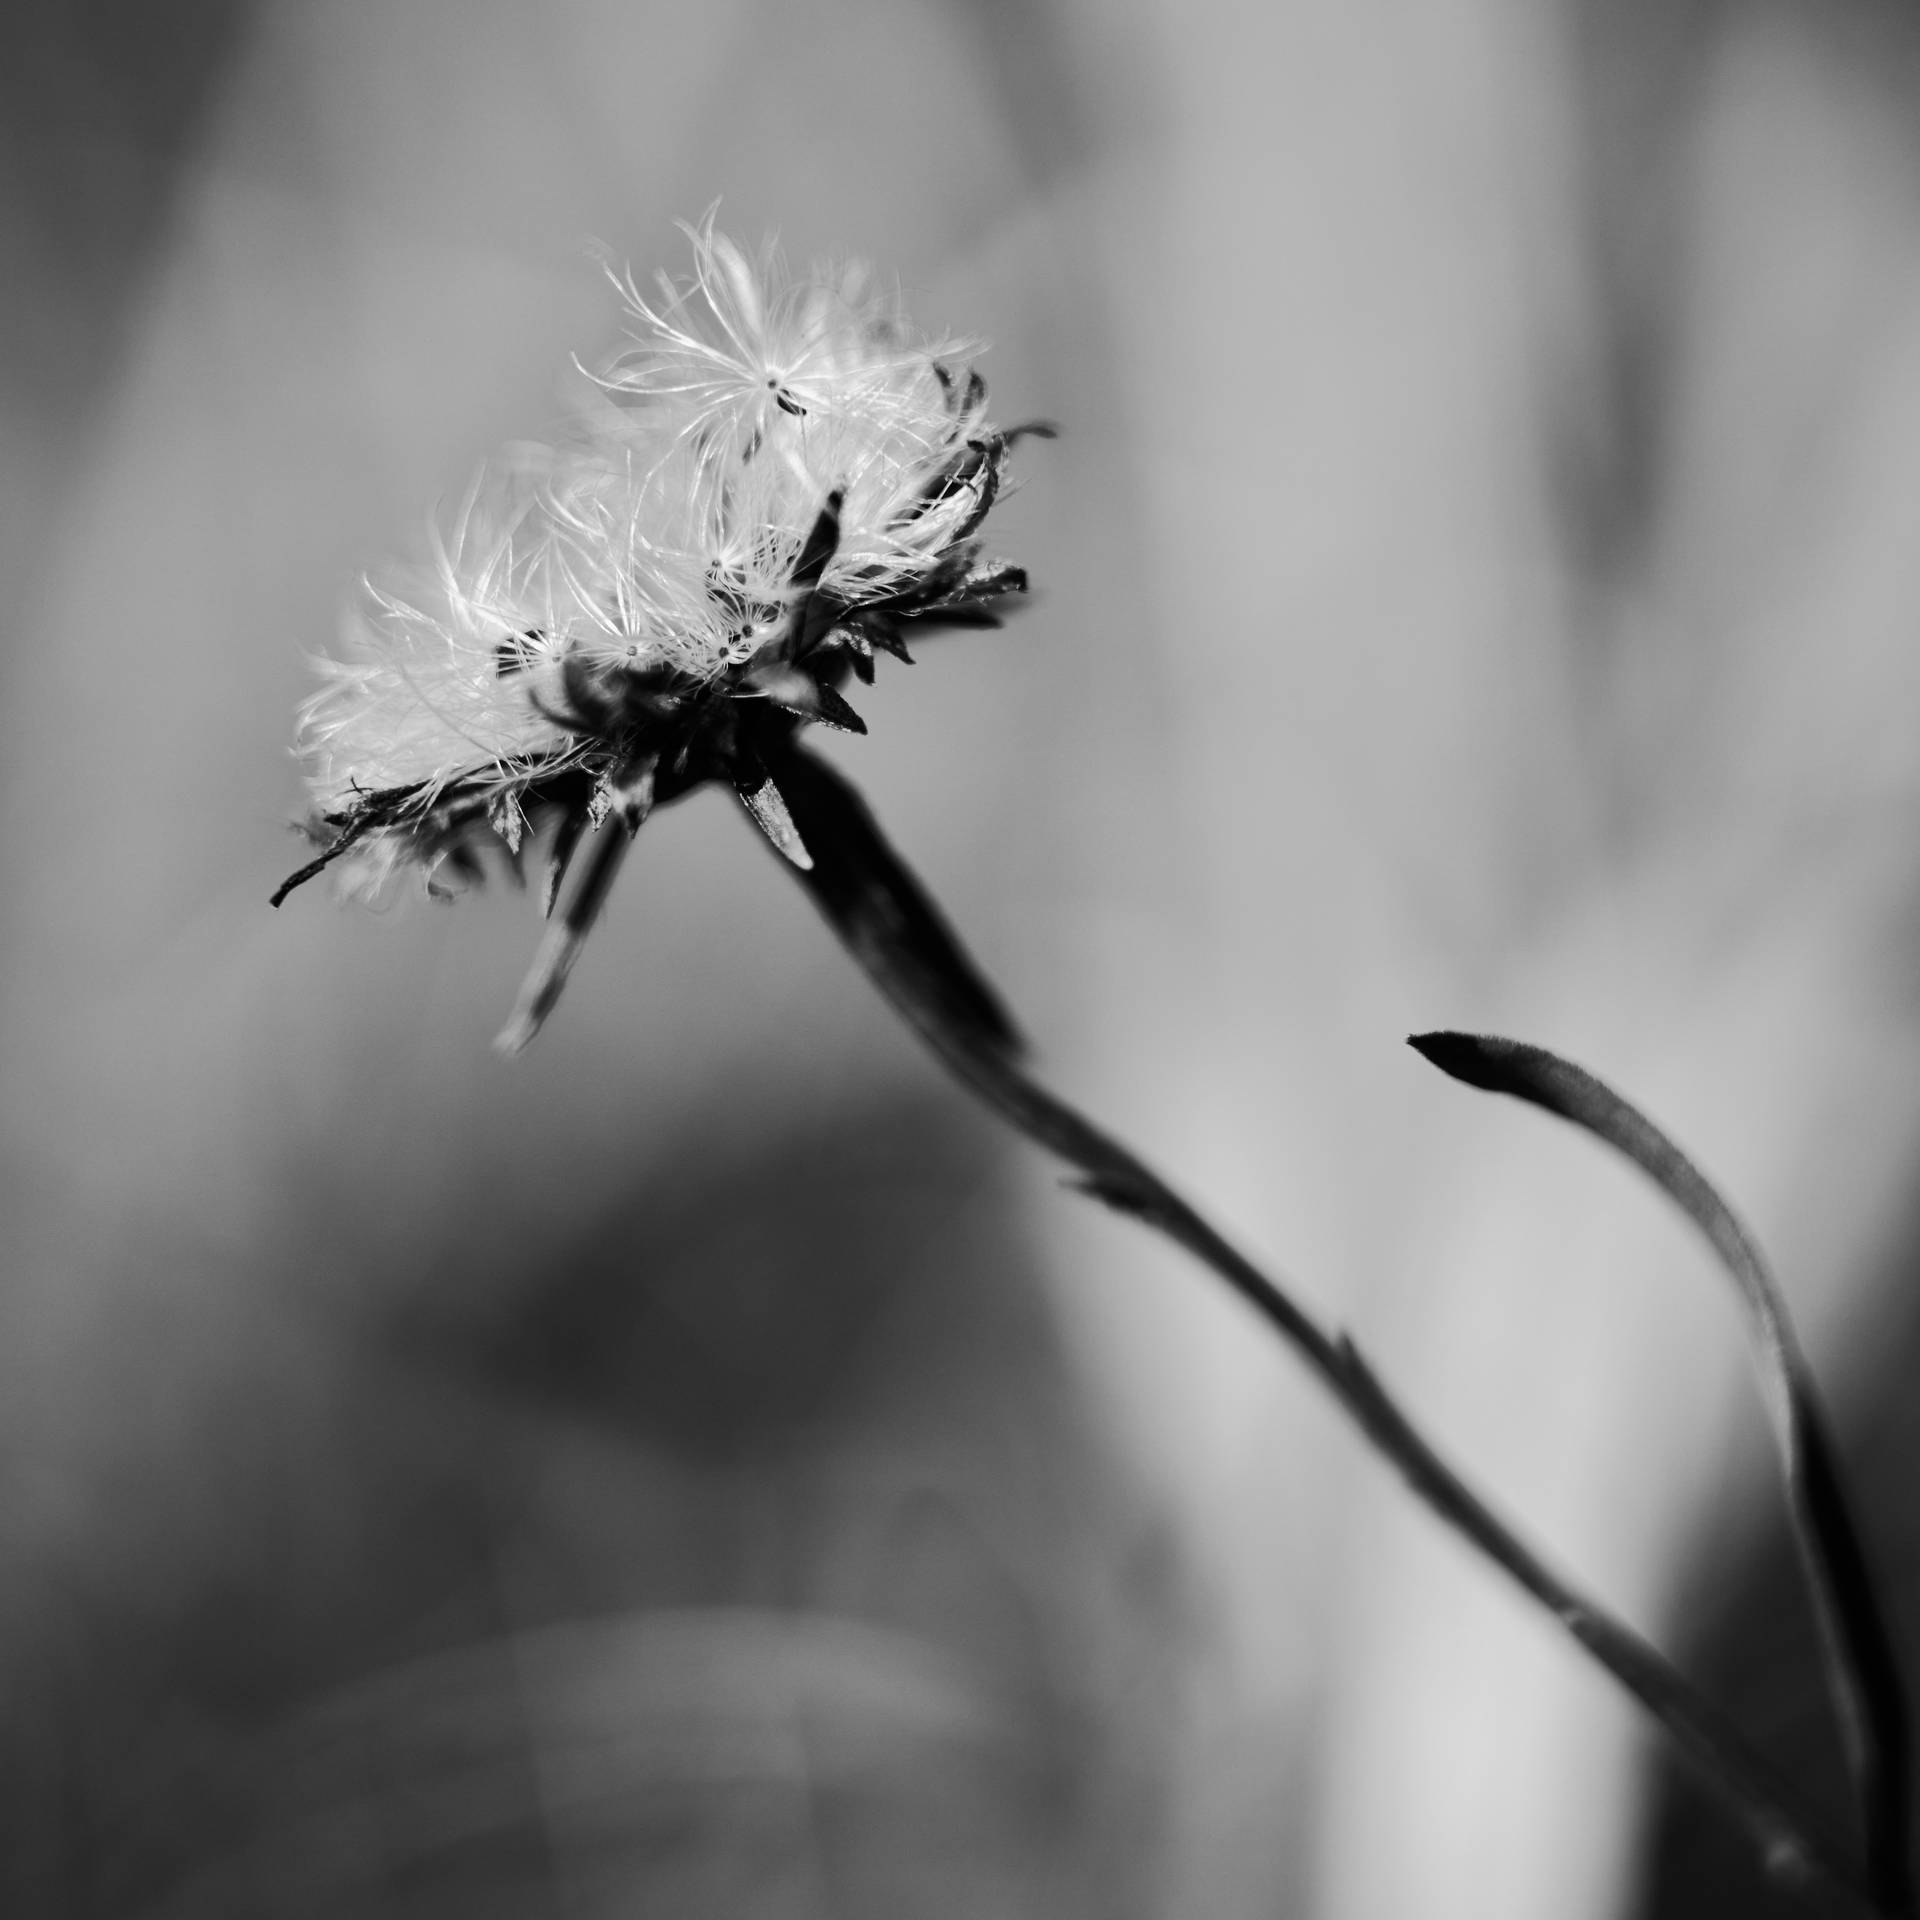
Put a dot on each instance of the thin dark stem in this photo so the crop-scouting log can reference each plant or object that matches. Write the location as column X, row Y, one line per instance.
column 896, row 934
column 1789, row 1832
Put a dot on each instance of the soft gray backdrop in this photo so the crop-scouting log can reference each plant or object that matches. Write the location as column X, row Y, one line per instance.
column 696, row 1468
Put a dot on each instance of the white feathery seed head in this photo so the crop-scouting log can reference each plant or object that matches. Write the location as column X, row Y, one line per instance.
column 777, row 479
column 665, row 531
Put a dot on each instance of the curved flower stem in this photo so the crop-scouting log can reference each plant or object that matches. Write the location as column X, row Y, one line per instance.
column 1786, row 1828
column 898, row 937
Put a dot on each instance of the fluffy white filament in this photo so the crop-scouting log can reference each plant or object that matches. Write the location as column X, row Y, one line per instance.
column 663, row 532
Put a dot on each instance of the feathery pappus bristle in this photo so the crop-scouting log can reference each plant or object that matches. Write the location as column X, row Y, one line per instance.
column 780, row 476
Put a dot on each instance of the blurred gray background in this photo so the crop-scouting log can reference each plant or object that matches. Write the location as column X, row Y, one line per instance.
column 698, row 1468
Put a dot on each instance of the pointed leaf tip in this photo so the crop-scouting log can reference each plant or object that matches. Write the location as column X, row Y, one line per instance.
column 835, row 710
column 563, row 939
column 1469, row 1057
column 1862, row 1668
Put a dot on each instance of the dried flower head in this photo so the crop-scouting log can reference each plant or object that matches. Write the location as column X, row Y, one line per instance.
column 780, row 479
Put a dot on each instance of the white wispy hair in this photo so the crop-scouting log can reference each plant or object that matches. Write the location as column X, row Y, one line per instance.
column 663, row 532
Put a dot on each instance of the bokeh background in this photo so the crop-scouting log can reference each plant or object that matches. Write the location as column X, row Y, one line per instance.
column 699, row 1468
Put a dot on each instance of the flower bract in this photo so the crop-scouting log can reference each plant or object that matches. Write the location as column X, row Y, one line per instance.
column 778, row 480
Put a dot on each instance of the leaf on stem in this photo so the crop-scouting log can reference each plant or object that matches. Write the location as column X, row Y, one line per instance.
column 561, row 944
column 1863, row 1673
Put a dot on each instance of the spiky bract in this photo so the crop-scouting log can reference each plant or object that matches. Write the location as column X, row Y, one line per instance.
column 778, row 477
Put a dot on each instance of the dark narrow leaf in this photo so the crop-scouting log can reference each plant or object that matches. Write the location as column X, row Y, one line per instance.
column 812, row 616
column 882, row 912
column 799, row 692
column 1862, row 1669
column 956, row 618
column 560, row 945
column 821, row 543
column 834, row 709
column 815, row 621
column 1120, row 1189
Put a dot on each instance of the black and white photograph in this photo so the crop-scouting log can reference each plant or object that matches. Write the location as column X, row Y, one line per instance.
column 959, row 959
